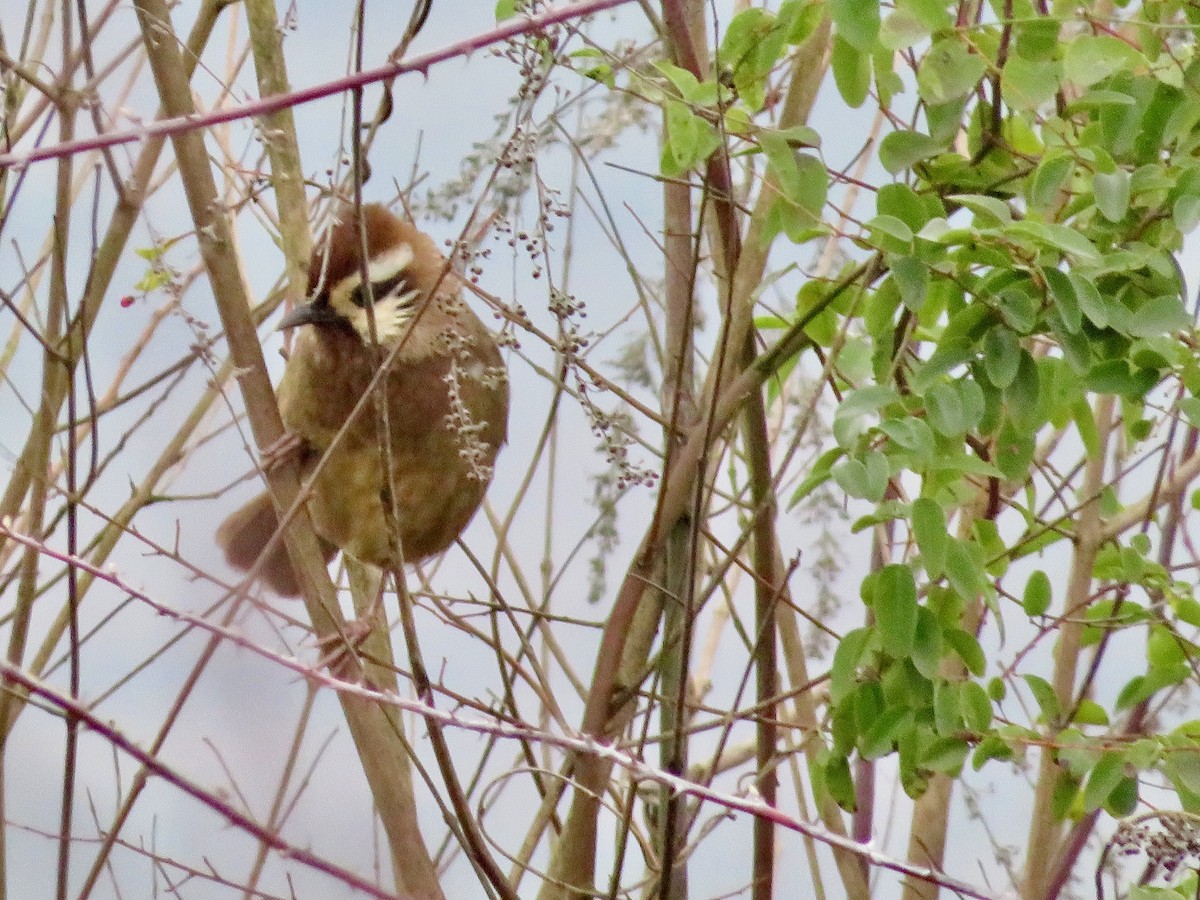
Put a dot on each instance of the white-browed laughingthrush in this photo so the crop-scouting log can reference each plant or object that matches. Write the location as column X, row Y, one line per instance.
column 446, row 403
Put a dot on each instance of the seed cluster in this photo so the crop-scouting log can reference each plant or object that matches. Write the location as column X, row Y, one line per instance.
column 473, row 450
column 613, row 431
column 1168, row 847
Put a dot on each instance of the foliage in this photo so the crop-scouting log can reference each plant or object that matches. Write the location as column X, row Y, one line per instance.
column 1031, row 351
column 907, row 373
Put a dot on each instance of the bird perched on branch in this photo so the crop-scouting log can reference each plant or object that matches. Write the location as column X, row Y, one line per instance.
column 445, row 415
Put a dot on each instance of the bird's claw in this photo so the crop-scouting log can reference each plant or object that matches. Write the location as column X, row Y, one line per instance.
column 286, row 447
column 340, row 651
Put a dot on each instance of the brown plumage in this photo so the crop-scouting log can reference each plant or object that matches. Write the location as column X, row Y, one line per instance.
column 447, row 404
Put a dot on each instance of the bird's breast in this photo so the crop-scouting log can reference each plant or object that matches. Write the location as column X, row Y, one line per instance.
column 446, row 416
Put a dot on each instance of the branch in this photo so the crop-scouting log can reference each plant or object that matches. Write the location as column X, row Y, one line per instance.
column 508, row 730
column 82, row 714
column 420, row 63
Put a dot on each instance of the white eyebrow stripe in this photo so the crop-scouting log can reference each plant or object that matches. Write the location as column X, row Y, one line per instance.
column 379, row 269
column 389, row 264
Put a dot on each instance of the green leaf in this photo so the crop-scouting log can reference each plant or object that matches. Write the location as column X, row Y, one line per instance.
column 1112, row 194
column 974, row 402
column 1108, row 772
column 152, row 281
column 1145, row 753
column 1101, row 100
column 1076, row 348
column 900, row 200
column 929, row 530
column 505, row 9
column 683, row 81
column 1159, row 316
column 1018, row 308
column 1183, row 768
column 1123, row 801
column 1187, row 609
column 890, row 234
column 1014, row 451
column 868, row 704
column 1044, row 694
column 1036, row 599
column 817, row 475
column 1090, row 300
column 800, row 136
column 857, row 22
column 1190, row 407
column 839, row 784
column 991, row 747
column 1115, row 377
column 848, row 419
column 949, row 71
column 1165, row 648
column 895, row 605
column 881, row 737
column 944, row 121
column 976, row 707
column 690, row 139
column 601, row 73
column 1089, row 712
column 851, row 71
column 997, row 690
column 930, row 13
column 1186, row 212
column 813, row 306
column 887, row 83
column 802, row 180
column 967, row 647
column 946, row 716
column 945, row 755
column 680, row 135
column 1023, row 395
column 927, row 648
column 752, row 44
column 1065, row 796
column 989, row 211
column 865, row 478
column 1030, row 83
column 965, row 464
column 1059, row 237
column 1052, row 176
column 1001, row 356
column 843, row 728
column 843, row 673
column 912, row 279
column 902, row 30
column 801, row 18
column 1090, row 58
column 1137, row 690
column 914, row 436
column 1076, row 755
column 944, row 409
column 1066, row 300
column 1038, row 38
column 987, row 536
column 901, row 150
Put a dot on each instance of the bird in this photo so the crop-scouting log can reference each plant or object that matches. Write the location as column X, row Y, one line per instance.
column 445, row 416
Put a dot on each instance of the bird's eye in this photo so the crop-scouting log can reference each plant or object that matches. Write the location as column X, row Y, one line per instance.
column 385, row 287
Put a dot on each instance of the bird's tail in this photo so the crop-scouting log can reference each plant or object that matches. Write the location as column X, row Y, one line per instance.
column 244, row 536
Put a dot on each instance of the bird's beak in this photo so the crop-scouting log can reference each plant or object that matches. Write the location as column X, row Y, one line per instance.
column 309, row 314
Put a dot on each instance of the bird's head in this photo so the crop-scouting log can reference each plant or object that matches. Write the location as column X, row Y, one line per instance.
column 395, row 276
